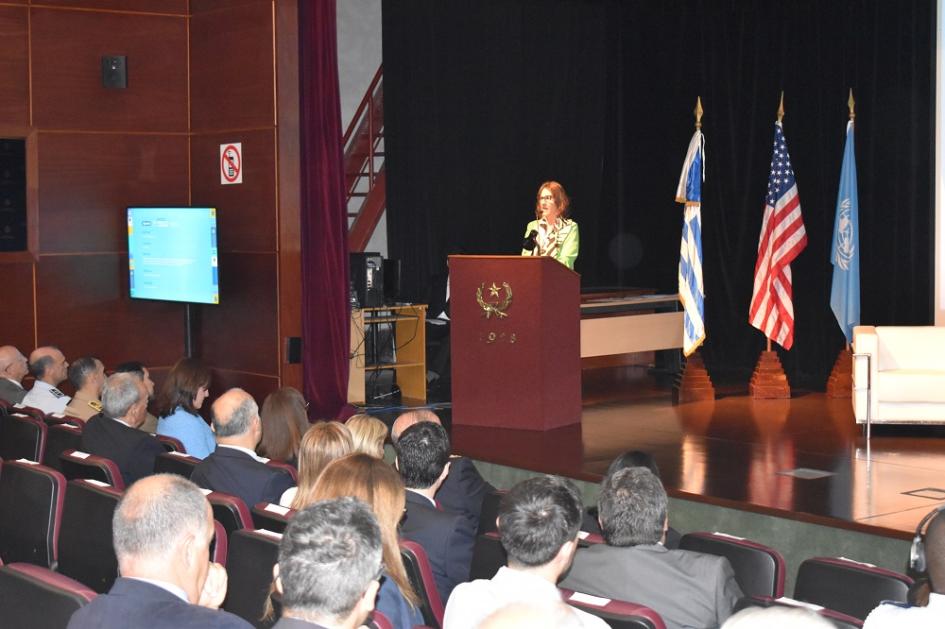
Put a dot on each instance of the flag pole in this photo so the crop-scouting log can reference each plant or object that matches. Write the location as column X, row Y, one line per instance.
column 698, row 112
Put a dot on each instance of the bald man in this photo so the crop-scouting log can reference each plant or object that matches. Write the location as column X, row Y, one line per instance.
column 48, row 366
column 234, row 468
column 161, row 531
column 464, row 488
column 12, row 369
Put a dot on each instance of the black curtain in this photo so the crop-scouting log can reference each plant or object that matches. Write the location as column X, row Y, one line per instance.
column 486, row 100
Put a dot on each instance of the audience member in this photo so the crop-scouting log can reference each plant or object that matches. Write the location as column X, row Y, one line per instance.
column 688, row 589
column 234, row 468
column 321, row 444
column 329, row 566
column 368, row 434
column 113, row 433
column 463, row 490
column 632, row 458
column 375, row 483
column 141, row 372
column 182, row 394
column 48, row 366
column 13, row 368
column 87, row 375
column 532, row 616
column 161, row 531
column 777, row 617
column 539, row 521
column 892, row 614
column 284, row 420
column 423, row 453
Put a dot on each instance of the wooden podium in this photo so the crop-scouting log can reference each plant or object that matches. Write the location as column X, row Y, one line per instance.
column 516, row 342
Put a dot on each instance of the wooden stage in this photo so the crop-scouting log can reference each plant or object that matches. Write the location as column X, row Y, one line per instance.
column 802, row 458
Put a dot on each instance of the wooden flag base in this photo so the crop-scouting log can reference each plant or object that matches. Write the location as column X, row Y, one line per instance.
column 693, row 383
column 768, row 382
column 840, row 382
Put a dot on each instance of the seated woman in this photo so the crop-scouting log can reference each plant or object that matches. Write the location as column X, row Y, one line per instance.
column 368, row 433
column 377, row 484
column 284, row 421
column 182, row 394
column 553, row 233
column 321, row 444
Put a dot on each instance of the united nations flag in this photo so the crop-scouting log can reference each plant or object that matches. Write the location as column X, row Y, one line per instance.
column 845, row 254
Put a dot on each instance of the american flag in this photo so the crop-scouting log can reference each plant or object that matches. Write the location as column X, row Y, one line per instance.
column 782, row 238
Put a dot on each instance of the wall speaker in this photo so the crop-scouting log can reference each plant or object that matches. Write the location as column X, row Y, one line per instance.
column 115, row 72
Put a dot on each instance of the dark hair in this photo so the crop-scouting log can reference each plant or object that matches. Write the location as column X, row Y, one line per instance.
column 284, row 421
column 80, row 369
column 537, row 517
column 38, row 366
column 423, row 450
column 633, row 458
column 632, row 507
column 131, row 366
column 181, row 386
column 329, row 554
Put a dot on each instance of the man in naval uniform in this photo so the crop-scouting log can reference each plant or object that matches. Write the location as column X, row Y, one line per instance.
column 12, row 369
column 87, row 375
column 48, row 366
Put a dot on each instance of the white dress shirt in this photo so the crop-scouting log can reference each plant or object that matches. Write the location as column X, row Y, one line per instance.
column 895, row 615
column 46, row 398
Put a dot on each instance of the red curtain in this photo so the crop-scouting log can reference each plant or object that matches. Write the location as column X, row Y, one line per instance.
column 325, row 315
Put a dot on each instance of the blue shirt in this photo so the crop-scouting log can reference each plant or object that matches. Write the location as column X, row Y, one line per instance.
column 190, row 430
column 391, row 603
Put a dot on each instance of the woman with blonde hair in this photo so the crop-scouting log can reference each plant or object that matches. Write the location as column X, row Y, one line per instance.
column 374, row 482
column 321, row 444
column 368, row 433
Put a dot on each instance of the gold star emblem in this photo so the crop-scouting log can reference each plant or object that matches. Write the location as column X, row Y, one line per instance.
column 493, row 290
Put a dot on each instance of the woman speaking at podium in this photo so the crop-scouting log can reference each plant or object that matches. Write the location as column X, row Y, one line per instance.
column 552, row 233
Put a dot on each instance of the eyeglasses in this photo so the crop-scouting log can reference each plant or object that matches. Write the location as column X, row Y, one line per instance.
column 546, row 197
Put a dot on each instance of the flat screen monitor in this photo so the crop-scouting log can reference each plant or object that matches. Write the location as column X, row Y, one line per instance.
column 172, row 254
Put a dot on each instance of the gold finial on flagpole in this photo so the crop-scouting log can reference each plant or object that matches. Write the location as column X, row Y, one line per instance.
column 698, row 112
column 781, row 107
column 850, row 104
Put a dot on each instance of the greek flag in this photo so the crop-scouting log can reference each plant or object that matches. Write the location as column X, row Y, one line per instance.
column 845, row 254
column 691, row 290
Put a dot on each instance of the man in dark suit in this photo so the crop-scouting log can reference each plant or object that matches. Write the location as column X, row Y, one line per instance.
column 329, row 566
column 463, row 490
column 234, row 468
column 113, row 433
column 686, row 588
column 161, row 531
column 423, row 459
column 13, row 367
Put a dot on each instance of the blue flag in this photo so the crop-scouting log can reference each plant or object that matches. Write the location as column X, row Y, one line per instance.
column 691, row 289
column 845, row 254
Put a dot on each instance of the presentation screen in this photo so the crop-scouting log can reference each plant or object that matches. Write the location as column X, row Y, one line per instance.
column 172, row 254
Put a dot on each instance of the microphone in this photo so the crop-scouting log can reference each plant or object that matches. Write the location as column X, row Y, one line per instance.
column 529, row 243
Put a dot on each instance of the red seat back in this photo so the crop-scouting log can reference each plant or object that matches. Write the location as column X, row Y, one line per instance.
column 85, row 537
column 31, row 501
column 421, row 578
column 621, row 614
column 32, row 596
column 219, row 547
column 174, row 462
column 59, row 438
column 285, row 467
column 252, row 555
column 271, row 517
column 230, row 511
column 78, row 464
column 171, row 444
column 22, row 437
column 759, row 569
column 848, row 586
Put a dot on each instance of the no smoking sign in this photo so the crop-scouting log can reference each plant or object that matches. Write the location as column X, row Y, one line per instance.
column 231, row 163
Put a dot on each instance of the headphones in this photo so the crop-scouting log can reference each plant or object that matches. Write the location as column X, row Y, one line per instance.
column 917, row 553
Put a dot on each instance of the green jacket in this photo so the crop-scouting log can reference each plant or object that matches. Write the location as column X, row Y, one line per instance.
column 568, row 242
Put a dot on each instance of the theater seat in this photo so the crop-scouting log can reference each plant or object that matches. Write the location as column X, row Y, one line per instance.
column 849, row 587
column 171, row 444
column 32, row 596
column 759, row 569
column 378, row 621
column 29, row 411
column 251, row 556
column 175, row 463
column 841, row 621
column 488, row 556
column 22, row 437
column 219, row 545
column 285, row 467
column 85, row 538
column 230, row 511
column 271, row 517
column 31, row 501
column 421, row 578
column 617, row 614
column 78, row 464
column 490, row 511
column 59, row 438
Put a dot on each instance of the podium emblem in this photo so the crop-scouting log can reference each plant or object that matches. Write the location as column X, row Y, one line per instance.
column 500, row 305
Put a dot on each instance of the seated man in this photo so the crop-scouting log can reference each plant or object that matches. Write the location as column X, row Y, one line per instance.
column 463, row 490
column 113, row 433
column 892, row 614
column 686, row 588
column 161, row 531
column 12, row 369
column 138, row 369
column 48, row 366
column 539, row 521
column 234, row 468
column 329, row 566
column 87, row 375
column 423, row 453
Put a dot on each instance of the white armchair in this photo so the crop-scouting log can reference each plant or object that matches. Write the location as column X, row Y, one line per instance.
column 899, row 374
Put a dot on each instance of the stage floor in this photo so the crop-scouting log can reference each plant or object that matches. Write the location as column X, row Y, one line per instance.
column 802, row 458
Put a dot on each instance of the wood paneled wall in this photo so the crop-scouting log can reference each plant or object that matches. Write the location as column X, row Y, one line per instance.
column 200, row 72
